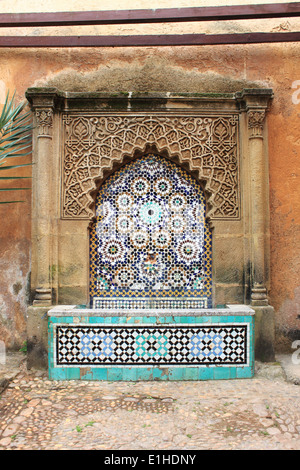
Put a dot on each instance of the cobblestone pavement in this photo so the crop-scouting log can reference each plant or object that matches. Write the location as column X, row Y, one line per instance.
column 259, row 413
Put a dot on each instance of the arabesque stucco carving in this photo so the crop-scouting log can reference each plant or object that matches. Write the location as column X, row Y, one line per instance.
column 93, row 143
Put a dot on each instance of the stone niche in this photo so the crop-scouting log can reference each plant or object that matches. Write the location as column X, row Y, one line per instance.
column 81, row 139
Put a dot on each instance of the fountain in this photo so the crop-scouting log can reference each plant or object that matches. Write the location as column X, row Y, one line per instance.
column 150, row 315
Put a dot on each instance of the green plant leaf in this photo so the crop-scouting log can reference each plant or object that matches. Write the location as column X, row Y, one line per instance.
column 14, row 166
column 13, row 189
column 13, row 177
column 15, row 139
column 9, row 202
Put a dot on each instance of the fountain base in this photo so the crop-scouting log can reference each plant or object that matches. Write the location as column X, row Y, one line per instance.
column 145, row 344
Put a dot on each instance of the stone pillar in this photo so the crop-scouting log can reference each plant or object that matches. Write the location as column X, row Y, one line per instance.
column 256, row 118
column 44, row 121
column 256, row 103
column 43, row 105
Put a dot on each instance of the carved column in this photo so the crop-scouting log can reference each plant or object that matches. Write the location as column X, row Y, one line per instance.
column 44, row 122
column 43, row 104
column 256, row 119
column 255, row 103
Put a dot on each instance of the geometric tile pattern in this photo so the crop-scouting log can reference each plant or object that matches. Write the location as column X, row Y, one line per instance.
column 152, row 345
column 150, row 237
column 149, row 303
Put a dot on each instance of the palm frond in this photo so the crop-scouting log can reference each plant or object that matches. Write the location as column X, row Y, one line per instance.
column 13, row 189
column 15, row 139
column 9, row 202
column 10, row 167
column 14, row 177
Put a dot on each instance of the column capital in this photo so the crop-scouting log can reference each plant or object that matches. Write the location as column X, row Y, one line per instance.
column 43, row 102
column 254, row 98
column 256, row 118
column 44, row 97
column 255, row 102
column 44, row 121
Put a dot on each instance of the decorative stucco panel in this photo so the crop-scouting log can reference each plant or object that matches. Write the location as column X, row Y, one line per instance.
column 93, row 143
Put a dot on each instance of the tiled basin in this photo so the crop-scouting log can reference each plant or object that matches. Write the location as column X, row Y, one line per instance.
column 151, row 343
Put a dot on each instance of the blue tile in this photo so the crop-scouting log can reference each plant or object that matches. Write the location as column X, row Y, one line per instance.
column 96, row 320
column 206, row 373
column 244, row 372
column 198, row 319
column 114, row 373
column 144, row 373
column 164, row 320
column 73, row 373
column 153, row 373
column 176, row 373
column 69, row 319
column 238, row 319
column 148, row 320
column 226, row 319
column 159, row 374
column 58, row 373
column 99, row 373
column 191, row 320
column 190, row 373
column 129, row 373
column 221, row 373
column 122, row 320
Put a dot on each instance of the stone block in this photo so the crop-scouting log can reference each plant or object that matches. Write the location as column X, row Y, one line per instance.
column 37, row 337
column 264, row 333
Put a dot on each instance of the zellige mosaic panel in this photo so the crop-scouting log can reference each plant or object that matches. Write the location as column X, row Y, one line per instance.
column 150, row 237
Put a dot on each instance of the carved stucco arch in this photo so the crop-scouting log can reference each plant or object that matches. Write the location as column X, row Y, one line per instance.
column 139, row 153
column 95, row 145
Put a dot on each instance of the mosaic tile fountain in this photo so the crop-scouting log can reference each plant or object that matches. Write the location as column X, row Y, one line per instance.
column 150, row 315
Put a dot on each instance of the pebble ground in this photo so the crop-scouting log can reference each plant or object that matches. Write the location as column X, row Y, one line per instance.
column 255, row 414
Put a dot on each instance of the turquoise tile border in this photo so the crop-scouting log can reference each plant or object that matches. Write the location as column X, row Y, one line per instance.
column 135, row 374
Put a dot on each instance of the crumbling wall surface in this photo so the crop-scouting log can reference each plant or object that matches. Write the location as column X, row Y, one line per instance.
column 14, row 272
column 170, row 69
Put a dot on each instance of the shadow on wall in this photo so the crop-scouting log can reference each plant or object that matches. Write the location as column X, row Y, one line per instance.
column 288, row 323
